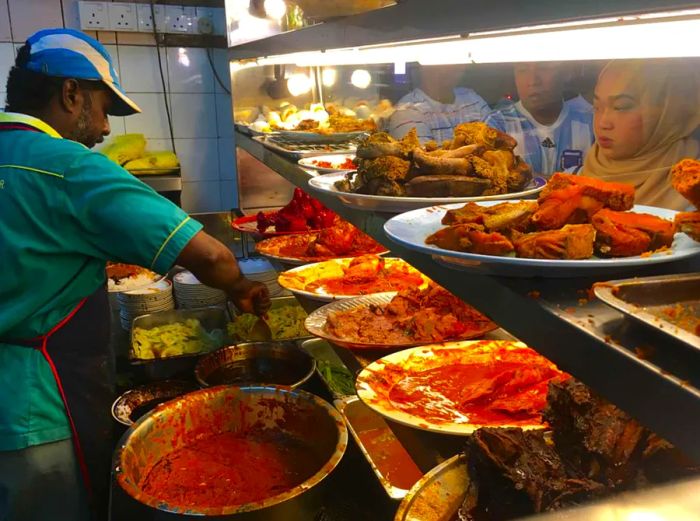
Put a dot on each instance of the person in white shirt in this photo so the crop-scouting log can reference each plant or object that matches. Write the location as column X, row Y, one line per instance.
column 437, row 105
column 552, row 134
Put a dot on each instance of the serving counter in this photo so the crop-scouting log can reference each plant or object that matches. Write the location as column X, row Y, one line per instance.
column 559, row 318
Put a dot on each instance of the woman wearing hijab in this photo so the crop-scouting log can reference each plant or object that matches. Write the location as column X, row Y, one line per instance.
column 644, row 116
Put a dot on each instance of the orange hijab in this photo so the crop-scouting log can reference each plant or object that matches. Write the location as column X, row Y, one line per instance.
column 669, row 96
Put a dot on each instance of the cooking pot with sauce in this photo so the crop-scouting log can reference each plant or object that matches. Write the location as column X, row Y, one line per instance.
column 299, row 438
column 251, row 363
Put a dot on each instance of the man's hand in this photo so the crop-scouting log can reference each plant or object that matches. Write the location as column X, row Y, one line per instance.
column 250, row 296
column 215, row 265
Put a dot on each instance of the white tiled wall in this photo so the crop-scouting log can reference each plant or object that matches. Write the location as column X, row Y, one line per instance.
column 200, row 108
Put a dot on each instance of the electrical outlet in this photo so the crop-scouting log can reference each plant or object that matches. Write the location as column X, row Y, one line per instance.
column 122, row 17
column 145, row 20
column 93, row 15
column 179, row 19
column 204, row 20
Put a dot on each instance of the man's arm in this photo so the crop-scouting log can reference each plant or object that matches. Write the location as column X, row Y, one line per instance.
column 215, row 265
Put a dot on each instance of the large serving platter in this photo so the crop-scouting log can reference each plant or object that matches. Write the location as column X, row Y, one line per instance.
column 301, row 136
column 384, row 203
column 249, row 224
column 316, row 322
column 410, row 229
column 337, row 159
column 382, row 372
column 269, row 248
column 296, row 279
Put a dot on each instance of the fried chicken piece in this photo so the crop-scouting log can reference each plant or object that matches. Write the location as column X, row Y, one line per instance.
column 494, row 218
column 616, row 196
column 688, row 223
column 498, row 178
column 685, row 178
column 570, row 199
column 382, row 144
column 625, row 234
column 519, row 176
column 386, row 167
column 573, row 241
column 470, row 238
column 480, row 133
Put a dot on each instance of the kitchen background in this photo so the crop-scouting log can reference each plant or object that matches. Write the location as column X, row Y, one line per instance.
column 200, row 107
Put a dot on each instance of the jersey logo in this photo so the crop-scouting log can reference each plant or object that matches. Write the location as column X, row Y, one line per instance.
column 570, row 158
column 548, row 143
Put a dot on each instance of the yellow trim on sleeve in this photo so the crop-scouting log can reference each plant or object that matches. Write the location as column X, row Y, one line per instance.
column 16, row 117
column 32, row 169
column 167, row 240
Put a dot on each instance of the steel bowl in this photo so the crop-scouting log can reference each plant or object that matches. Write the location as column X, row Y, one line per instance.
column 256, row 363
column 182, row 421
column 134, row 403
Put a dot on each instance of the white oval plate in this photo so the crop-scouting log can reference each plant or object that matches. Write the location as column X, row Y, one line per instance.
column 333, row 159
column 410, row 229
column 385, row 203
column 330, row 268
column 423, row 357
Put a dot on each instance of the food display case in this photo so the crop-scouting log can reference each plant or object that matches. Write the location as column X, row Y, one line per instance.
column 359, row 66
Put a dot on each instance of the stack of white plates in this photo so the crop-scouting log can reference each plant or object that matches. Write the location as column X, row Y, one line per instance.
column 190, row 293
column 150, row 299
column 261, row 270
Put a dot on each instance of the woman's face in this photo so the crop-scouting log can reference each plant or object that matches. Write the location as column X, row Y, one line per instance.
column 617, row 117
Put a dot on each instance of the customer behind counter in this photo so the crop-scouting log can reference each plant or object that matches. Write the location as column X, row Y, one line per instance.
column 646, row 119
column 437, row 105
column 65, row 211
column 552, row 134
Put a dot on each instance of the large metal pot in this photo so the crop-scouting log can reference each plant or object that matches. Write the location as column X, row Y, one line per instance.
column 256, row 363
column 231, row 409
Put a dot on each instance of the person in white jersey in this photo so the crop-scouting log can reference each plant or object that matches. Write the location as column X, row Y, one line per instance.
column 553, row 135
column 437, row 105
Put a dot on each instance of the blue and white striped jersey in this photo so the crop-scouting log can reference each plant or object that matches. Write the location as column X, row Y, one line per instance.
column 434, row 120
column 548, row 148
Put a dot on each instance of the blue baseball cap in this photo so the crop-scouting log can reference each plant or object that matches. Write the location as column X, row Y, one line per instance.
column 67, row 53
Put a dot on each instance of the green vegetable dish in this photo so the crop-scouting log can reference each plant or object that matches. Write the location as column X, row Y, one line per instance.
column 183, row 338
column 285, row 322
column 339, row 380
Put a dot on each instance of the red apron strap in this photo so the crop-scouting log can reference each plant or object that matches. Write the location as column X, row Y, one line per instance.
column 76, row 439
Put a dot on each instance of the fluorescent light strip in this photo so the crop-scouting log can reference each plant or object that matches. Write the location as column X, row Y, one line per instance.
column 661, row 35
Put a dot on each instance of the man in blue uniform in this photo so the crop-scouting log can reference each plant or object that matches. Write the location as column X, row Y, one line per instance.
column 65, row 211
column 553, row 135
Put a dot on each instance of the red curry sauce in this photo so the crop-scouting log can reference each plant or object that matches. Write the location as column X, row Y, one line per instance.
column 229, row 469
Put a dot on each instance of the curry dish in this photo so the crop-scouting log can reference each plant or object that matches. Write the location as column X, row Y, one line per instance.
column 414, row 315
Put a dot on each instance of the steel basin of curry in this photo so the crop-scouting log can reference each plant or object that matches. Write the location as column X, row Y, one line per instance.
column 239, row 452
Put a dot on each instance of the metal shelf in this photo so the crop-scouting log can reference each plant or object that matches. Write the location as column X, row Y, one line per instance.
column 162, row 183
column 593, row 342
column 418, row 20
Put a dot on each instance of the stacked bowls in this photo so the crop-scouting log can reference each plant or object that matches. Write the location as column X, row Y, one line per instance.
column 261, row 270
column 150, row 299
column 190, row 293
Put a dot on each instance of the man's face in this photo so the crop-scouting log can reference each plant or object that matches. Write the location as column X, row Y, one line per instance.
column 539, row 84
column 92, row 122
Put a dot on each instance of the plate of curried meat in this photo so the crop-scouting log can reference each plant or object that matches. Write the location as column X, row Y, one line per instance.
column 577, row 222
column 458, row 387
column 340, row 240
column 393, row 320
column 352, row 277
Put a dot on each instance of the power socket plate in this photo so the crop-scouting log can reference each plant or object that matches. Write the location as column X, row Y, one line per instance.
column 143, row 14
column 122, row 17
column 179, row 19
column 93, row 15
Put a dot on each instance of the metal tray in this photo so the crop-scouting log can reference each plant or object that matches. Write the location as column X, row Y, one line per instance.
column 298, row 150
column 391, row 463
column 323, row 352
column 651, row 300
column 276, row 302
column 438, row 495
column 182, row 365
